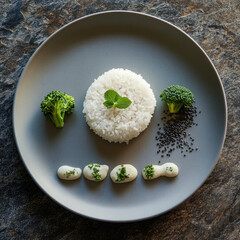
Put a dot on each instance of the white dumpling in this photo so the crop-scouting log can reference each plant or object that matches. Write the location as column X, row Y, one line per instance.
column 69, row 173
column 154, row 171
column 95, row 172
column 123, row 173
column 169, row 170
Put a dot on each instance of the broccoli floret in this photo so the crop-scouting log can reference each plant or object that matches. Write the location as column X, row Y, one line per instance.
column 176, row 97
column 55, row 105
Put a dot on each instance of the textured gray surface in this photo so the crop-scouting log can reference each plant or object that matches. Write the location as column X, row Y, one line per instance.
column 211, row 213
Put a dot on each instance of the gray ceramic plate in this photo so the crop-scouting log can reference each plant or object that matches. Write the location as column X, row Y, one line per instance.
column 69, row 61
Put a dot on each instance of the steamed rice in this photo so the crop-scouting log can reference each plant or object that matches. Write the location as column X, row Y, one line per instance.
column 119, row 125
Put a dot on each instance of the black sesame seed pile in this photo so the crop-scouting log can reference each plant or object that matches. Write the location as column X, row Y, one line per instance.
column 173, row 134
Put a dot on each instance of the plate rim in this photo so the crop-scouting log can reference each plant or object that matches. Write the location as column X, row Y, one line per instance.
column 110, row 12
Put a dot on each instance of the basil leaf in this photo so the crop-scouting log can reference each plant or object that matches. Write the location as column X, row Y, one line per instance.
column 108, row 104
column 123, row 102
column 111, row 96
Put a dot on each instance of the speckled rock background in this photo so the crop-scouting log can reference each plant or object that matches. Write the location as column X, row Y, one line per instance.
column 213, row 212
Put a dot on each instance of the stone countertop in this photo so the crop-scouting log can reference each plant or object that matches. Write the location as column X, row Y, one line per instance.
column 213, row 212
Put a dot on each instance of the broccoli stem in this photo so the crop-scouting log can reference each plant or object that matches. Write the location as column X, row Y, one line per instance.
column 57, row 116
column 174, row 107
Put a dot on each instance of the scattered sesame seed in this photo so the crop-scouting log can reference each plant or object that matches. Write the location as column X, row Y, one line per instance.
column 175, row 131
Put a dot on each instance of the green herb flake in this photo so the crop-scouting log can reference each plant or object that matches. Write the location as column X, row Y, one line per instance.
column 113, row 99
column 149, row 171
column 69, row 173
column 122, row 174
column 95, row 172
column 169, row 169
column 90, row 166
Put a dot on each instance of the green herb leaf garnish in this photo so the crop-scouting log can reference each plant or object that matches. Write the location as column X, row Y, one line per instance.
column 169, row 168
column 111, row 96
column 108, row 104
column 95, row 173
column 90, row 166
column 122, row 174
column 69, row 173
column 113, row 99
column 123, row 102
column 149, row 171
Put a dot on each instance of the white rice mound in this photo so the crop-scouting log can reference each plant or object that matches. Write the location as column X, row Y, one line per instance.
column 119, row 125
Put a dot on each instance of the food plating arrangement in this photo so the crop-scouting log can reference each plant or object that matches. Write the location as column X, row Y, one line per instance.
column 119, row 106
